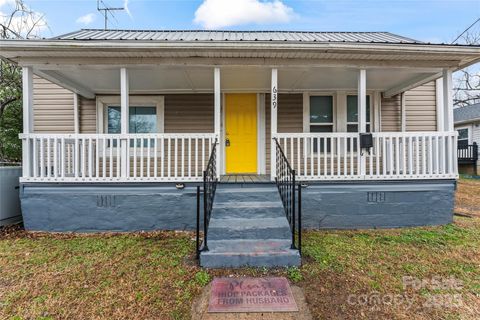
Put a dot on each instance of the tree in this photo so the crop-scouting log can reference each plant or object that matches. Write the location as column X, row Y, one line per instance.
column 20, row 23
column 467, row 81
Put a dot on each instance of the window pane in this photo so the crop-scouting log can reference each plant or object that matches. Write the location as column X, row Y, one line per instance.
column 322, row 143
column 114, row 120
column 143, row 119
column 462, row 134
column 321, row 128
column 352, row 109
column 352, row 128
column 321, row 109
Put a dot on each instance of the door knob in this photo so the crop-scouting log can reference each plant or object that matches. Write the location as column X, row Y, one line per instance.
column 227, row 142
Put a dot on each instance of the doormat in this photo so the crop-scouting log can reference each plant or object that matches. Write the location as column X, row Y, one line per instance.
column 251, row 295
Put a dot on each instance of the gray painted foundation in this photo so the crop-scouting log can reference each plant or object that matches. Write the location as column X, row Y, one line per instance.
column 133, row 207
column 121, row 207
column 388, row 204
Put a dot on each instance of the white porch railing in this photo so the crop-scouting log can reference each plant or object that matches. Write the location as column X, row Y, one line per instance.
column 395, row 155
column 115, row 157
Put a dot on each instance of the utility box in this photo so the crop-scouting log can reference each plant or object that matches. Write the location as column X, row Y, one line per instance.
column 10, row 211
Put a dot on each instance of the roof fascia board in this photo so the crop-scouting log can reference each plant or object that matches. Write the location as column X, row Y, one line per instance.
column 467, row 121
column 125, row 44
column 112, row 62
column 64, row 82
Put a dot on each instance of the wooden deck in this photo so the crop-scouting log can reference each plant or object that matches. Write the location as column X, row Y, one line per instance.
column 245, row 178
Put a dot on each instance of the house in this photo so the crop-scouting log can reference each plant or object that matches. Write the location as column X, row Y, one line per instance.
column 121, row 126
column 467, row 124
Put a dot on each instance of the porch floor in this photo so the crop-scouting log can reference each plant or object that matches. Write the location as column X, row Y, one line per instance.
column 245, row 178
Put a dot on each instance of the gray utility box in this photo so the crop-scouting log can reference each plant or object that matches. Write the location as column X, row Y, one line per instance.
column 9, row 195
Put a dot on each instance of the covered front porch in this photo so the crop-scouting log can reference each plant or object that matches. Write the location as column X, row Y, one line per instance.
column 314, row 114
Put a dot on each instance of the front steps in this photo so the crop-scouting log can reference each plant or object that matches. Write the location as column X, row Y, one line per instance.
column 248, row 228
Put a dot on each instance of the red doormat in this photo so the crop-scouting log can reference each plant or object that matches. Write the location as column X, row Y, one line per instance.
column 251, row 295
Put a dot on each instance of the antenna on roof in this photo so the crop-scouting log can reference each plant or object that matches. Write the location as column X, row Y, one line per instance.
column 106, row 11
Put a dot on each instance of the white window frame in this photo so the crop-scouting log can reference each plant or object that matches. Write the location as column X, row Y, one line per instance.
column 469, row 133
column 103, row 102
column 306, row 111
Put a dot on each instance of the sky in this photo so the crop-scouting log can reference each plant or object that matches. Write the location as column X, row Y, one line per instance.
column 424, row 20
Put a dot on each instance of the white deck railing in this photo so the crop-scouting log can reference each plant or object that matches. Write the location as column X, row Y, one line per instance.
column 115, row 157
column 395, row 155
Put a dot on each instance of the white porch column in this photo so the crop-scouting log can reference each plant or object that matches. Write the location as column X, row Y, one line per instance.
column 217, row 117
column 362, row 112
column 439, row 109
column 273, row 123
column 451, row 154
column 76, row 116
column 124, row 119
column 27, row 86
column 448, row 100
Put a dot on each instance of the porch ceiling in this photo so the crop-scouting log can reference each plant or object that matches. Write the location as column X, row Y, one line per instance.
column 164, row 79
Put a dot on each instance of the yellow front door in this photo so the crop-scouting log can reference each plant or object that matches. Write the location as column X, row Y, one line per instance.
column 241, row 133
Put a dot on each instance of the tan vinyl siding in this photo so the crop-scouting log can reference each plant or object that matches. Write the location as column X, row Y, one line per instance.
column 290, row 118
column 88, row 115
column 391, row 114
column 52, row 107
column 189, row 113
column 421, row 108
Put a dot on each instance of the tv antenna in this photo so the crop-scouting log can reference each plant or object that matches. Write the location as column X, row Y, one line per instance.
column 106, row 11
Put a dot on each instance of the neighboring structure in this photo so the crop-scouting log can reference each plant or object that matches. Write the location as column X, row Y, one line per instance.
column 114, row 119
column 467, row 123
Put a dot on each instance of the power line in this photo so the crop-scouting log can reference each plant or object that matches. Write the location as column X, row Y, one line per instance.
column 106, row 11
column 464, row 31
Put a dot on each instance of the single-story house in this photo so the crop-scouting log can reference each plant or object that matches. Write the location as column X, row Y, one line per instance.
column 467, row 124
column 120, row 126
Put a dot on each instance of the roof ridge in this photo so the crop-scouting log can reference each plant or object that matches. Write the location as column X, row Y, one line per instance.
column 235, row 31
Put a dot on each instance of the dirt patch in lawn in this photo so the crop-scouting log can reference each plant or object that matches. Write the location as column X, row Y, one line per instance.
column 345, row 274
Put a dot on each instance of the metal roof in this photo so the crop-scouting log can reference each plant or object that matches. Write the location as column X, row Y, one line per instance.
column 467, row 113
column 207, row 35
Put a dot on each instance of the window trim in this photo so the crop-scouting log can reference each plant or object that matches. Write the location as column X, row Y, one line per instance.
column 103, row 102
column 469, row 134
column 306, row 111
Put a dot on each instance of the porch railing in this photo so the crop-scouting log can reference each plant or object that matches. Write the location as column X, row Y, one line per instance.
column 394, row 155
column 115, row 157
column 210, row 181
column 467, row 153
column 287, row 188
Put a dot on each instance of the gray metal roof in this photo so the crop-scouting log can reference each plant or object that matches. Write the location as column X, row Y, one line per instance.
column 467, row 113
column 206, row 35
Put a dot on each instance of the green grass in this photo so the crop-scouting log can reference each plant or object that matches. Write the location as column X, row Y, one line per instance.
column 154, row 275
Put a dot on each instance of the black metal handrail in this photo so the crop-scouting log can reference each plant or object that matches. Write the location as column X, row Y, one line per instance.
column 468, row 152
column 210, row 181
column 287, row 187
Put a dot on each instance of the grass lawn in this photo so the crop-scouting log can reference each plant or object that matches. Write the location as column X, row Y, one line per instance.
column 154, row 275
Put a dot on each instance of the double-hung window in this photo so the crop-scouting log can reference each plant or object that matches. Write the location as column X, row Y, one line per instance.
column 463, row 136
column 321, row 118
column 141, row 119
column 352, row 113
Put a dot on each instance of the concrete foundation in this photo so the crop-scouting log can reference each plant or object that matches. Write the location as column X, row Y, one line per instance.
column 133, row 207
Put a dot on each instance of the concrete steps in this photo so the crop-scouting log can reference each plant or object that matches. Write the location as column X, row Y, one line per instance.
column 248, row 228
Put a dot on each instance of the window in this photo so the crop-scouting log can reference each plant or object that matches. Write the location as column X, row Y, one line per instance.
column 321, row 117
column 352, row 113
column 463, row 137
column 141, row 120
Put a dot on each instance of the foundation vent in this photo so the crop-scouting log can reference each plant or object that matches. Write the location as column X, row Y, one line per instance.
column 105, row 201
column 375, row 197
